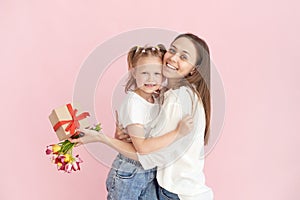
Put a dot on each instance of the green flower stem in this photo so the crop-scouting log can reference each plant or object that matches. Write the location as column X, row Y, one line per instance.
column 67, row 146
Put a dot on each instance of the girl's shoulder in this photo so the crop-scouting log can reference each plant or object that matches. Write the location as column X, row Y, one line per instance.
column 135, row 99
column 132, row 97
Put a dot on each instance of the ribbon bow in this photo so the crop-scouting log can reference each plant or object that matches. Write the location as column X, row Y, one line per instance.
column 74, row 122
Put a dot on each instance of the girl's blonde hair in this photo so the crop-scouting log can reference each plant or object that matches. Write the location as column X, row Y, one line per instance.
column 137, row 53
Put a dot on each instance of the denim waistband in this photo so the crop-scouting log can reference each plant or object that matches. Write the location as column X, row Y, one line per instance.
column 134, row 162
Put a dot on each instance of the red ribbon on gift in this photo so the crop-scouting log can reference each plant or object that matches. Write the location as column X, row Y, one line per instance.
column 74, row 122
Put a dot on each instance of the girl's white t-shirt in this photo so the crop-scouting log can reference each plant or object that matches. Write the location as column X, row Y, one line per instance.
column 136, row 110
column 180, row 165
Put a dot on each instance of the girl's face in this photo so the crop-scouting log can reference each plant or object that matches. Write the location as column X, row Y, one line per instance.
column 180, row 59
column 148, row 74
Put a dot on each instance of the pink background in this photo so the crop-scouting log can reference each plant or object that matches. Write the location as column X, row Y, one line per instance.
column 254, row 45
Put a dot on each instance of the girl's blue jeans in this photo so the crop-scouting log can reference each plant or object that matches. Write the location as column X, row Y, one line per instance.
column 164, row 194
column 127, row 180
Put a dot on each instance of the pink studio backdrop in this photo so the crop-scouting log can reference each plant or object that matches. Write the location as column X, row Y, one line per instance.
column 254, row 44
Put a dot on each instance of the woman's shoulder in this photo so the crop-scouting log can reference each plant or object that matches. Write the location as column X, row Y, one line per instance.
column 181, row 92
column 185, row 92
column 188, row 94
column 186, row 89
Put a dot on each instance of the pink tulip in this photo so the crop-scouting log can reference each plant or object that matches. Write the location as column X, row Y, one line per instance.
column 75, row 166
column 68, row 167
column 49, row 149
column 77, row 159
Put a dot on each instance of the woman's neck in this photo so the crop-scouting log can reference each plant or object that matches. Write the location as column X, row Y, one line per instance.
column 174, row 83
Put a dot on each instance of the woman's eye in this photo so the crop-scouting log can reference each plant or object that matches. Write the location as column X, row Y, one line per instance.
column 172, row 51
column 183, row 57
column 144, row 72
column 157, row 73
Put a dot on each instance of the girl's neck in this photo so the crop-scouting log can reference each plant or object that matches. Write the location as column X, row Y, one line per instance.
column 148, row 97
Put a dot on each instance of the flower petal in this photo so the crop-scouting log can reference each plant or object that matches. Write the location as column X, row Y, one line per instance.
column 48, row 151
column 75, row 166
column 68, row 167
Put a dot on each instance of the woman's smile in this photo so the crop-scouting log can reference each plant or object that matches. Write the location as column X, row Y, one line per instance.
column 171, row 66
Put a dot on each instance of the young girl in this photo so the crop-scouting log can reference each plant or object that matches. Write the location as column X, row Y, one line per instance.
column 127, row 179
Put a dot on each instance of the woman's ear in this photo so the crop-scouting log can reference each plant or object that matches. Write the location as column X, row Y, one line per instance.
column 193, row 71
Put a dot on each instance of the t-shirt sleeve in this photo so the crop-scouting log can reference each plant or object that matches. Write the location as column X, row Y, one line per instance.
column 149, row 161
column 132, row 112
column 165, row 156
column 186, row 99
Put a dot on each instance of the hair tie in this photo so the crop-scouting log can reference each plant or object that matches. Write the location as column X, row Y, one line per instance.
column 137, row 49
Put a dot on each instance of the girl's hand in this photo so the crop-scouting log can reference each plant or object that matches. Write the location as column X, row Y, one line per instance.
column 88, row 137
column 120, row 132
column 185, row 126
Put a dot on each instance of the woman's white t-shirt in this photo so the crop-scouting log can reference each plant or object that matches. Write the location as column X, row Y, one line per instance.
column 180, row 165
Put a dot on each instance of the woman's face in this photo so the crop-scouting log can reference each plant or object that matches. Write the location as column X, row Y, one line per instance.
column 180, row 59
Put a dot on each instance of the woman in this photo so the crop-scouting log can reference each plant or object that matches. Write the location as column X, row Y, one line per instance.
column 186, row 66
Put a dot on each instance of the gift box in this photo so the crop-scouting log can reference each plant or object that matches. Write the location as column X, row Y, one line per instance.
column 66, row 119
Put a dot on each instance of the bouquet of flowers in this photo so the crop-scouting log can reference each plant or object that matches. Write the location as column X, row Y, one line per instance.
column 62, row 153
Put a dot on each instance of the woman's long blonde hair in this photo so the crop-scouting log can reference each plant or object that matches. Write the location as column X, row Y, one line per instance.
column 200, row 78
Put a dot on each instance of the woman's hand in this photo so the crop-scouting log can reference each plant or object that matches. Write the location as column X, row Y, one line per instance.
column 185, row 126
column 120, row 133
column 88, row 137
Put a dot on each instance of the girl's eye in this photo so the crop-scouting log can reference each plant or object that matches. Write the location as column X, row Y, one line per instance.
column 144, row 72
column 172, row 51
column 157, row 73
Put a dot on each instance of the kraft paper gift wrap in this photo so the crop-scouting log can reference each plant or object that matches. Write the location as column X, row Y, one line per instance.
column 66, row 119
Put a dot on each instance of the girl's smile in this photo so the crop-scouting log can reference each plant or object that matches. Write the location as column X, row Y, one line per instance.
column 148, row 76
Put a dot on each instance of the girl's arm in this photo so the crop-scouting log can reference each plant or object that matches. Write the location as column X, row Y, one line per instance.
column 148, row 145
column 90, row 136
column 139, row 144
